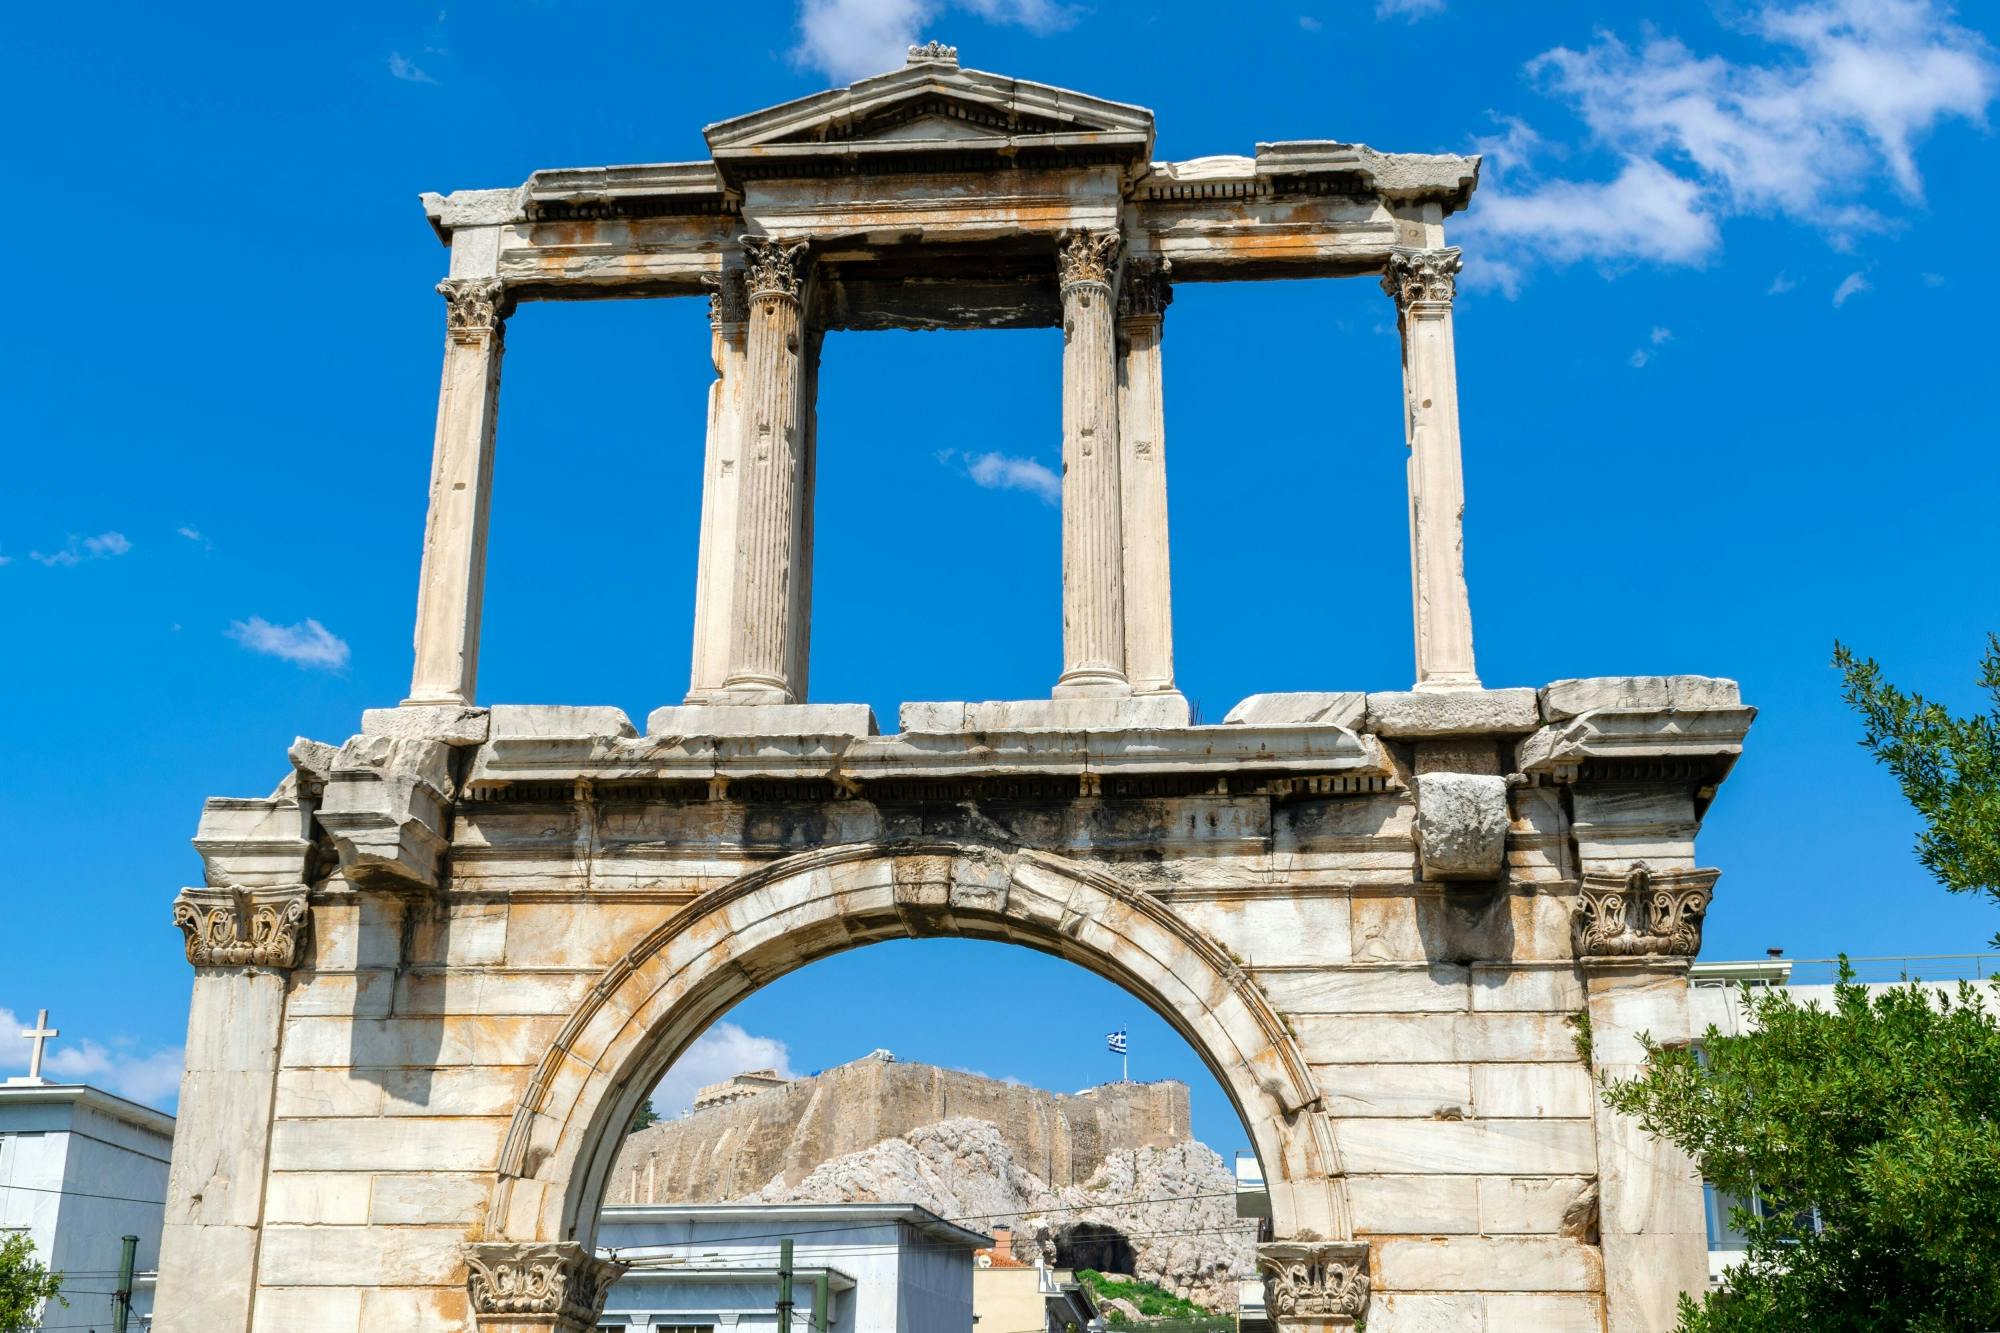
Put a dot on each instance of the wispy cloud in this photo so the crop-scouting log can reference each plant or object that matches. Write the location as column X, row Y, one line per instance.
column 308, row 643
column 1308, row 23
column 851, row 39
column 1660, row 335
column 192, row 534
column 1004, row 472
column 1851, row 285
column 722, row 1052
column 1781, row 284
column 406, row 69
column 103, row 546
column 152, row 1077
column 1848, row 91
column 1410, row 10
column 1639, row 359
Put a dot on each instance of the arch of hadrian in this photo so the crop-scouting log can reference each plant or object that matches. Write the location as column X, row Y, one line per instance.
column 438, row 967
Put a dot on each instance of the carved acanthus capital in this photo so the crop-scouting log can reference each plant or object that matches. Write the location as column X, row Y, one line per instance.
column 1422, row 277
column 1642, row 911
column 1088, row 256
column 558, row 1284
column 1314, row 1280
column 1148, row 289
column 728, row 303
column 775, row 268
column 244, row 927
column 474, row 305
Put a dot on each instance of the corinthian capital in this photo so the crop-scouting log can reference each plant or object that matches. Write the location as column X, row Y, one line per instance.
column 727, row 302
column 243, row 927
column 474, row 305
column 775, row 268
column 1314, row 1280
column 1087, row 256
column 559, row 1281
column 1415, row 277
column 1642, row 911
column 1147, row 290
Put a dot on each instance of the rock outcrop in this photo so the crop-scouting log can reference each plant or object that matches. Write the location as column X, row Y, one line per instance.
column 731, row 1146
column 1168, row 1211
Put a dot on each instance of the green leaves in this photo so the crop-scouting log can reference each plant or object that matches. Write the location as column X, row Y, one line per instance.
column 1872, row 1134
column 1949, row 768
column 25, row 1286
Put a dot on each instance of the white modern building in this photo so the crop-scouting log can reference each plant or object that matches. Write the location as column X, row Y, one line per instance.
column 856, row 1268
column 80, row 1170
column 1715, row 999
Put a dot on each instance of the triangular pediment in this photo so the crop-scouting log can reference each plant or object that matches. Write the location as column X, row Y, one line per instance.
column 932, row 101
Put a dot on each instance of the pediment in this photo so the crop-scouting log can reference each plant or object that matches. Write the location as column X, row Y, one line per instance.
column 928, row 102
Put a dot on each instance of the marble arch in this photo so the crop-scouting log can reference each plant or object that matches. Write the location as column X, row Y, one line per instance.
column 670, row 985
column 443, row 954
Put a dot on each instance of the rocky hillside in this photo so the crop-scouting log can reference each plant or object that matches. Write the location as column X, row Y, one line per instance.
column 1137, row 1203
column 758, row 1126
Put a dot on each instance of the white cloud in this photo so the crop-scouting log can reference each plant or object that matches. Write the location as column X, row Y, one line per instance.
column 192, row 534
column 1933, row 279
column 1412, row 10
column 153, row 1077
column 1000, row 472
column 1850, row 285
column 1849, row 89
column 402, row 67
column 1640, row 358
column 719, row 1053
column 1308, row 23
column 1660, row 335
column 851, row 39
column 1780, row 285
column 308, row 643
column 78, row 549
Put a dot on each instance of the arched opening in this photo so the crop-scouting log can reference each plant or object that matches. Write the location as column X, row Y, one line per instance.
column 969, row 1078
column 655, row 1001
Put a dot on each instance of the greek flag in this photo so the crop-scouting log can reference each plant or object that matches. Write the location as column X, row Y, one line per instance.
column 1116, row 1040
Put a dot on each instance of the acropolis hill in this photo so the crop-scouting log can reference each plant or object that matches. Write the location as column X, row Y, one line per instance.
column 730, row 1146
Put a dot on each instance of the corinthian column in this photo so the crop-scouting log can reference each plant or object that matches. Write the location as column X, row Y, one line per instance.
column 1142, row 470
column 715, row 563
column 1093, row 543
column 770, row 535
column 454, row 571
column 1423, row 282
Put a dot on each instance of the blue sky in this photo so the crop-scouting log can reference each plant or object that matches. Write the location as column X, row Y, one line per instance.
column 1719, row 352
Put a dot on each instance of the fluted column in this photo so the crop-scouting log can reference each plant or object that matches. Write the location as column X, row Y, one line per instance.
column 770, row 562
column 1142, row 469
column 452, row 585
column 1093, row 542
column 715, row 563
column 1423, row 282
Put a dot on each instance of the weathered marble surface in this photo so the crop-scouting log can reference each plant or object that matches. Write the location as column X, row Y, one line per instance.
column 439, row 1061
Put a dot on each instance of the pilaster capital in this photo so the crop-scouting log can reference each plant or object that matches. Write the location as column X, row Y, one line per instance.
column 1418, row 277
column 1087, row 257
column 1306, row 1281
column 244, row 927
column 1641, row 912
column 475, row 307
column 552, row 1286
column 728, row 301
column 774, row 268
column 1148, row 289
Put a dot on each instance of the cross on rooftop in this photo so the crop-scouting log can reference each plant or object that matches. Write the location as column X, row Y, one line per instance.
column 38, row 1036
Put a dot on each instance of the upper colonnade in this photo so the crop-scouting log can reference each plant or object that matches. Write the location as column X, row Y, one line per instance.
column 939, row 197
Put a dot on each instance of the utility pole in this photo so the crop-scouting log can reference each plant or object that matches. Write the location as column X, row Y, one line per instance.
column 121, row 1310
column 822, row 1311
column 785, row 1285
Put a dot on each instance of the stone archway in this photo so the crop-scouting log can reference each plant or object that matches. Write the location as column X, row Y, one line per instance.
column 649, row 1005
